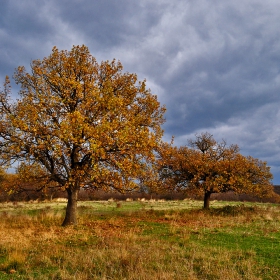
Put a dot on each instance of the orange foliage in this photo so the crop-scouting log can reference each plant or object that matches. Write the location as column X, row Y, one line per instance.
column 210, row 167
column 30, row 181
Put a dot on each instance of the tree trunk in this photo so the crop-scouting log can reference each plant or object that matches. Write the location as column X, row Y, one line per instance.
column 71, row 209
column 206, row 200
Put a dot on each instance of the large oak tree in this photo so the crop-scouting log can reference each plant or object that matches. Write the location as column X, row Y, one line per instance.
column 90, row 125
column 207, row 167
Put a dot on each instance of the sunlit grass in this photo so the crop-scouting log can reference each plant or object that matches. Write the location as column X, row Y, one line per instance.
column 140, row 240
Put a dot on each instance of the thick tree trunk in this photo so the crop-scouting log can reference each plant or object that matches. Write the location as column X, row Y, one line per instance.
column 206, row 200
column 71, row 209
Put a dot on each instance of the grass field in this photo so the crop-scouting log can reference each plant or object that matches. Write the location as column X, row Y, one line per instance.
column 141, row 240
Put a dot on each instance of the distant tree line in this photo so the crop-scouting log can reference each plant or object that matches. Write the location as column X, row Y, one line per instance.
column 27, row 185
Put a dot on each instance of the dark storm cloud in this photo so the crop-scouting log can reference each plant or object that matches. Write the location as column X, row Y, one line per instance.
column 215, row 64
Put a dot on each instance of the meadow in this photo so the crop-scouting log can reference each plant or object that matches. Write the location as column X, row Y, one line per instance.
column 140, row 240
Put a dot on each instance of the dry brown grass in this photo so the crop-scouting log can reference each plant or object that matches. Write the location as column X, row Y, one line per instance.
column 142, row 244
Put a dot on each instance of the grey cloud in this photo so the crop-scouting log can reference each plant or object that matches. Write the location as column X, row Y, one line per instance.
column 215, row 64
column 108, row 24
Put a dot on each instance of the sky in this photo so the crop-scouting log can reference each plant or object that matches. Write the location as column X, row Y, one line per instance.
column 215, row 64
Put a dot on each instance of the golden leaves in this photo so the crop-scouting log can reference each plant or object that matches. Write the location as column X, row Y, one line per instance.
column 83, row 121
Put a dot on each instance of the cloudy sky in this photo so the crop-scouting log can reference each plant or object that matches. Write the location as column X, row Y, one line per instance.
column 215, row 64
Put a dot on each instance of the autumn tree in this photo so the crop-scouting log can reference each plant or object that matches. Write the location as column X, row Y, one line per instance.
column 88, row 124
column 30, row 181
column 207, row 167
column 5, row 182
column 3, row 176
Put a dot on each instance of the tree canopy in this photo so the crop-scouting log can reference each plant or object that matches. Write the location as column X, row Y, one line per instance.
column 208, row 167
column 87, row 124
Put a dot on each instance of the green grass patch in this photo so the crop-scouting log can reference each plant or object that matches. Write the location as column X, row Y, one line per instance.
column 264, row 246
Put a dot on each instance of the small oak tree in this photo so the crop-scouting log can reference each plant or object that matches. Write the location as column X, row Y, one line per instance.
column 31, row 181
column 209, row 167
column 5, row 182
column 88, row 124
column 3, row 177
